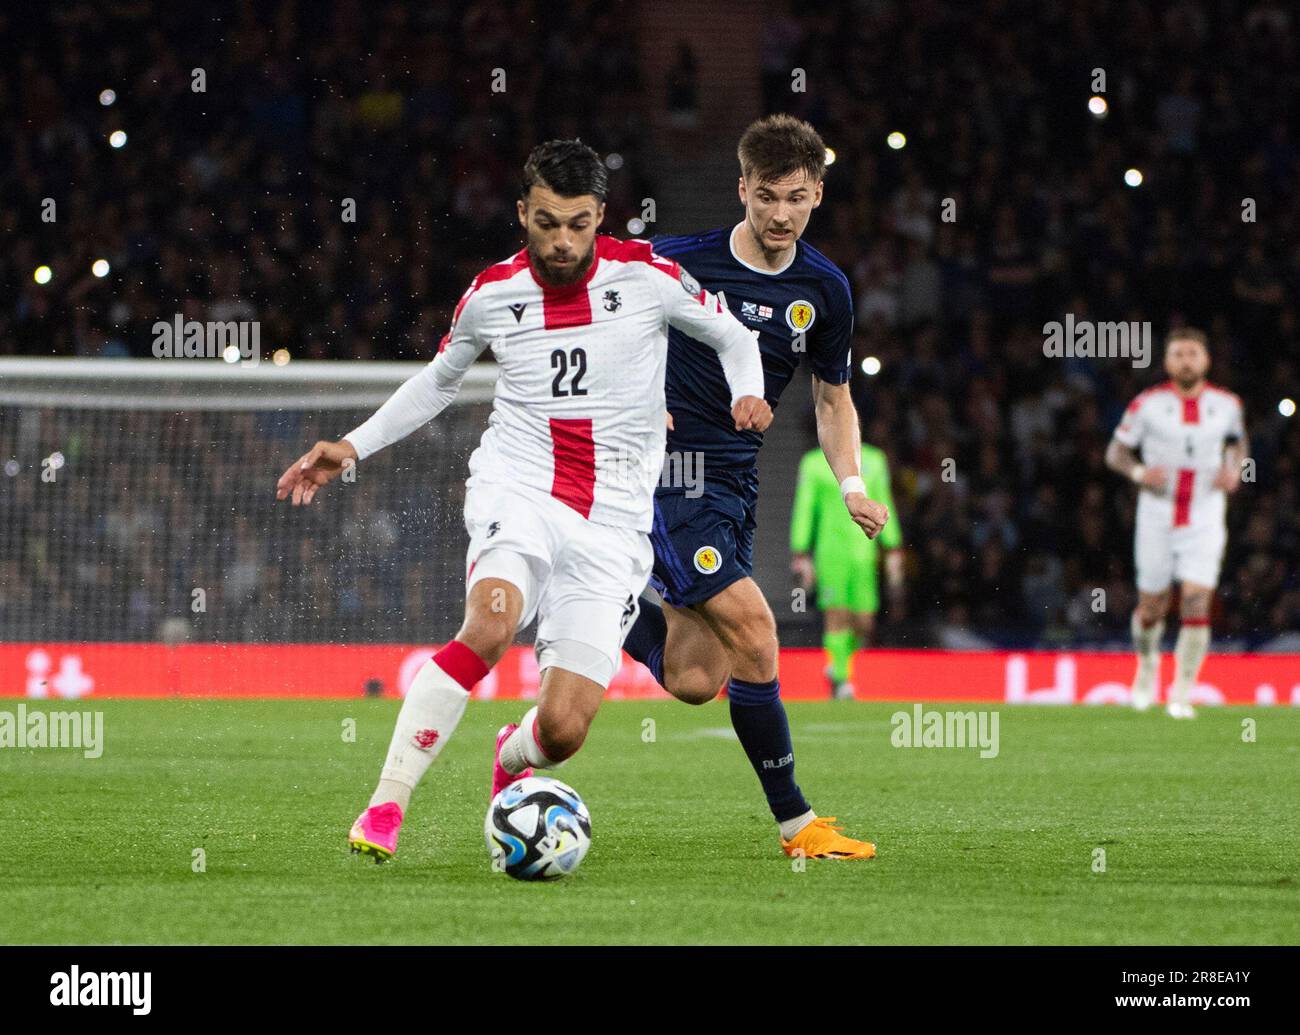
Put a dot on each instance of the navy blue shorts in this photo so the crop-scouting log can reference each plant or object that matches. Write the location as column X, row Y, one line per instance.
column 703, row 543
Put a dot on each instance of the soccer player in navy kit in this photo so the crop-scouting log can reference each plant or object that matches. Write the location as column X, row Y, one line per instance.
column 716, row 627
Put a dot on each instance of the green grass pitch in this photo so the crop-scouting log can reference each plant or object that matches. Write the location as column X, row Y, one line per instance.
column 1199, row 830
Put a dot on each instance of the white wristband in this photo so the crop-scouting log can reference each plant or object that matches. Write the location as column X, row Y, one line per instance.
column 852, row 484
column 1137, row 473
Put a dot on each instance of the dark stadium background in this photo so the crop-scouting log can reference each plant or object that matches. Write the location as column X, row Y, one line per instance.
column 229, row 198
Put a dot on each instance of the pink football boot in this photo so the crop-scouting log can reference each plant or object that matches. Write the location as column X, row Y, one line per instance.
column 501, row 777
column 375, row 831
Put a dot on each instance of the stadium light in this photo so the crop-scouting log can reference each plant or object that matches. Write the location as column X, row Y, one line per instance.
column 100, row 267
column 871, row 366
column 12, row 467
column 1098, row 106
column 117, row 139
column 635, row 226
column 231, row 354
column 280, row 357
column 614, row 160
column 897, row 140
column 42, row 274
column 1133, row 177
column 1286, row 407
column 107, row 97
column 830, row 156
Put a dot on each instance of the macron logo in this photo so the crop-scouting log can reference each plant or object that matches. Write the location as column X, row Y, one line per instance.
column 73, row 988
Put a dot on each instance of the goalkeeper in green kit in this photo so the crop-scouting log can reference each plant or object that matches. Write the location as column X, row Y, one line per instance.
column 831, row 551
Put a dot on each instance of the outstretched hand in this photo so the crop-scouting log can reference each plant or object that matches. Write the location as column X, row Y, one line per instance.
column 315, row 469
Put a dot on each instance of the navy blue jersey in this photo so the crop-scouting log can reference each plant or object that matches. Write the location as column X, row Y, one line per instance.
column 804, row 310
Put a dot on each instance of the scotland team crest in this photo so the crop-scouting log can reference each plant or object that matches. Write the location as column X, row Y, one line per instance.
column 800, row 315
column 707, row 560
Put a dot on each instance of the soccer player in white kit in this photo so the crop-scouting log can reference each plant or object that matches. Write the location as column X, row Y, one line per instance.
column 1192, row 439
column 559, row 501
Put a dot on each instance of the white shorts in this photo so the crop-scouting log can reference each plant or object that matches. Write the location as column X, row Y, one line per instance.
column 580, row 579
column 1191, row 553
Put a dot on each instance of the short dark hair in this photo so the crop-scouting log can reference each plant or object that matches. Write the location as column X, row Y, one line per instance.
column 568, row 167
column 778, row 145
column 1189, row 333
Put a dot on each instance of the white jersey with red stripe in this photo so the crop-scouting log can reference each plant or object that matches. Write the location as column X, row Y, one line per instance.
column 579, row 407
column 1186, row 436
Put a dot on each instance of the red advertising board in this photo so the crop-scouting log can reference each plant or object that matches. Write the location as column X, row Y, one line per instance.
column 71, row 670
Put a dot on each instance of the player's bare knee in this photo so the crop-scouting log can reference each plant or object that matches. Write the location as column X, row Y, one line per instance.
column 561, row 732
column 487, row 633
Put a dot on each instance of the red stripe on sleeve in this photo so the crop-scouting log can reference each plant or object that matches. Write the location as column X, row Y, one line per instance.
column 574, row 483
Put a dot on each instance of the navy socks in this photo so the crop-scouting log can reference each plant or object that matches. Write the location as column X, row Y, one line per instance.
column 758, row 717
column 645, row 640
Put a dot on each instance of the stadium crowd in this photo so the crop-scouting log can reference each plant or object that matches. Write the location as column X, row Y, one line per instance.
column 229, row 201
column 993, row 99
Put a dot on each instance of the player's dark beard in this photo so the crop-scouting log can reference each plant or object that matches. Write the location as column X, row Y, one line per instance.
column 561, row 277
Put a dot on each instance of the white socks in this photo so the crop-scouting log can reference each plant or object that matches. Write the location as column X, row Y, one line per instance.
column 1146, row 642
column 429, row 715
column 1189, row 651
column 790, row 827
column 391, row 790
column 521, row 749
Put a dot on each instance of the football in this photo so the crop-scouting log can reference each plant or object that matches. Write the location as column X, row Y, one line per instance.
column 537, row 828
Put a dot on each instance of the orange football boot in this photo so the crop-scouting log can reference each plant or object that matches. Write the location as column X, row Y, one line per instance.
column 821, row 839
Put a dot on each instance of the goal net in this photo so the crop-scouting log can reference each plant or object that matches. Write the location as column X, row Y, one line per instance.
column 137, row 504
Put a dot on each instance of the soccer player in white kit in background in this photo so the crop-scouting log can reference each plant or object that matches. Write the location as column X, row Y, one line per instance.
column 1192, row 439
column 559, row 501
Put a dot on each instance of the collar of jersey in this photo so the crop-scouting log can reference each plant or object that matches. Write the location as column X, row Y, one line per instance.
column 566, row 289
column 731, row 246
